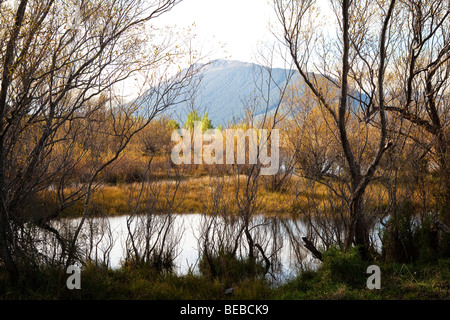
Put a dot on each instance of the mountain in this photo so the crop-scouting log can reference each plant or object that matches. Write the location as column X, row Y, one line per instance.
column 226, row 84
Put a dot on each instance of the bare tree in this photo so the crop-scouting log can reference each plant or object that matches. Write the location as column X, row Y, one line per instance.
column 152, row 231
column 421, row 90
column 249, row 176
column 60, row 67
column 358, row 64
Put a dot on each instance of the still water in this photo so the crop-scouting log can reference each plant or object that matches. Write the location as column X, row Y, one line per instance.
column 280, row 238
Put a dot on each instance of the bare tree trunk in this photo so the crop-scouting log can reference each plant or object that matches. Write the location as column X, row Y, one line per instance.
column 6, row 234
column 357, row 233
column 445, row 176
column 49, row 96
column 292, row 15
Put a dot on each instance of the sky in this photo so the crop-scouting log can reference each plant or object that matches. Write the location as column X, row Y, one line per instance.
column 231, row 29
column 226, row 29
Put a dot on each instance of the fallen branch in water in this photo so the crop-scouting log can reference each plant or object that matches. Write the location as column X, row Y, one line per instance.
column 310, row 246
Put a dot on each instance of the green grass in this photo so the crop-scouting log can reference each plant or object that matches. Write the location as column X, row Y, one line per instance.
column 344, row 278
column 331, row 281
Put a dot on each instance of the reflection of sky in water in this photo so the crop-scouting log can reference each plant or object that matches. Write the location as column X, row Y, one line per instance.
column 188, row 251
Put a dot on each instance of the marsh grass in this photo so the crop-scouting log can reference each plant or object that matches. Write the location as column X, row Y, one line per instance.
column 399, row 282
column 115, row 200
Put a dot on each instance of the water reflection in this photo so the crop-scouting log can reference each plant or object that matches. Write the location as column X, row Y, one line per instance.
column 107, row 241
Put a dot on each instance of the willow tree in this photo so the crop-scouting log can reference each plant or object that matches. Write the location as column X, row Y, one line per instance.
column 61, row 62
column 422, row 82
column 354, row 64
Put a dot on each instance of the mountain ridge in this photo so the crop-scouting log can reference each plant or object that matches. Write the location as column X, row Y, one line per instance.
column 226, row 84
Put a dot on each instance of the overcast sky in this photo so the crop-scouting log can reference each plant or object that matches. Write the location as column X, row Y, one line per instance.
column 231, row 29
column 236, row 24
column 226, row 29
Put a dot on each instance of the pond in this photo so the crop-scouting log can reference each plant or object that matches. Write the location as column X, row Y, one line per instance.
column 188, row 251
column 281, row 238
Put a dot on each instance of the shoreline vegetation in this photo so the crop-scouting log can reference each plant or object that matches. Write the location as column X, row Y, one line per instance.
column 341, row 277
column 115, row 199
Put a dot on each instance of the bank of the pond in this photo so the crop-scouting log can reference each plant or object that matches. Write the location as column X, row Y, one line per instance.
column 399, row 282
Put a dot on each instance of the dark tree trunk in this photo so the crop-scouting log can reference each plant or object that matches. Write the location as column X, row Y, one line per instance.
column 5, row 222
column 5, row 251
column 358, row 233
column 445, row 176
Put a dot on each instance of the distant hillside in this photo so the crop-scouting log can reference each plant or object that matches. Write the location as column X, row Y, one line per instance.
column 226, row 84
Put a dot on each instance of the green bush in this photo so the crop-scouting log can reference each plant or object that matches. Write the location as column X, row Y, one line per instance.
column 344, row 267
column 229, row 269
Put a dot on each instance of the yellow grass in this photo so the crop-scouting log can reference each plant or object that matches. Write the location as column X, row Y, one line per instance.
column 196, row 195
